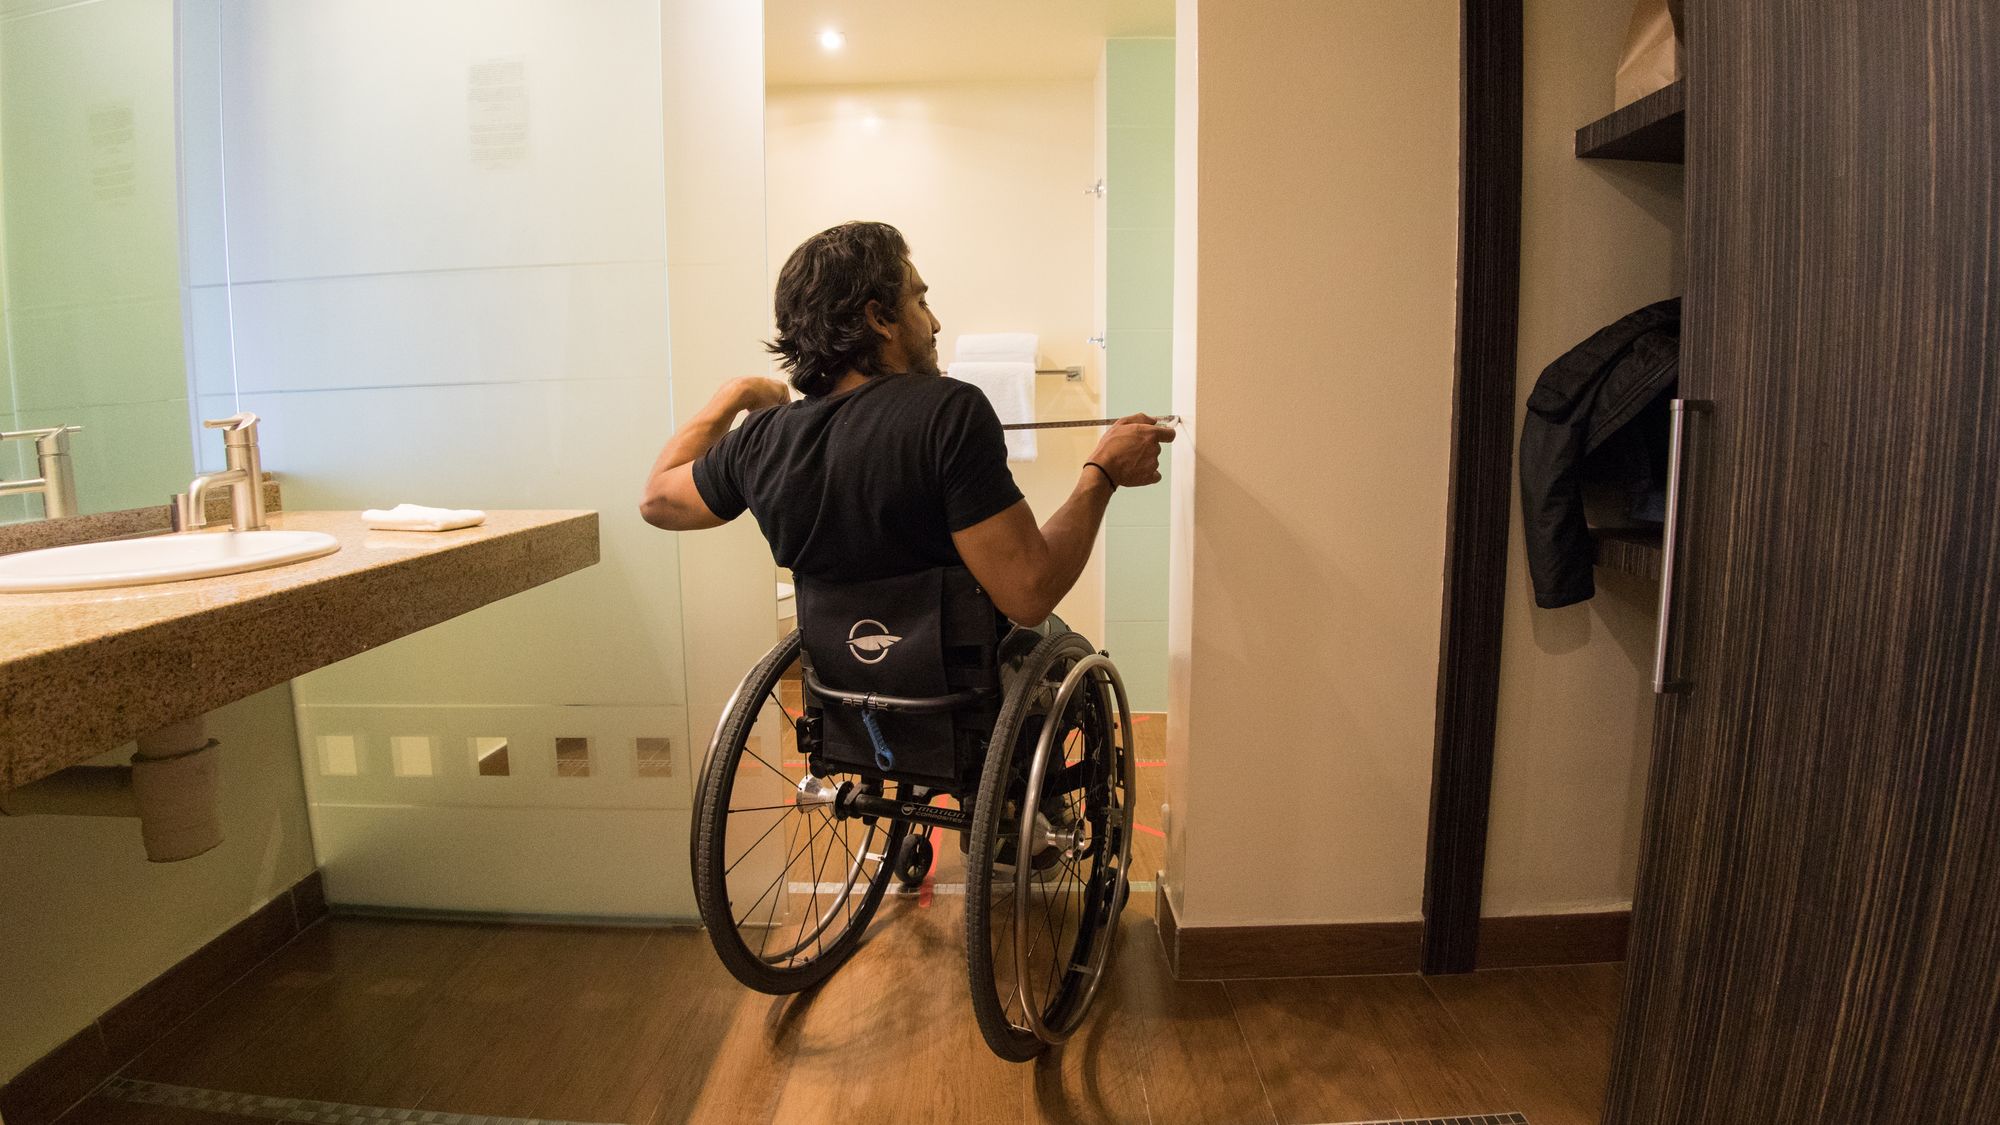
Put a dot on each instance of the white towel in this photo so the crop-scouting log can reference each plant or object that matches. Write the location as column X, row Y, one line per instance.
column 997, row 347
column 1002, row 364
column 1010, row 387
column 416, row 517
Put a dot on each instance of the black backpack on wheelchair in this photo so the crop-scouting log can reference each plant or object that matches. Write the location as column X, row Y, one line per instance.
column 898, row 707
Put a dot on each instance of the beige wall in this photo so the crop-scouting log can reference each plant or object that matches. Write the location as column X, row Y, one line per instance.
column 986, row 181
column 85, row 920
column 1599, row 239
column 1314, row 318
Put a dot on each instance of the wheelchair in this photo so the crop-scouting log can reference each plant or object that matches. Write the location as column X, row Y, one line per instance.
column 897, row 708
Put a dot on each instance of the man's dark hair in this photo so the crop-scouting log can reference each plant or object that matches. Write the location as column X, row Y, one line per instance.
column 823, row 295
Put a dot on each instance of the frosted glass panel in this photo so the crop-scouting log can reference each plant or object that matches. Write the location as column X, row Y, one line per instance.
column 411, row 755
column 1139, row 262
column 338, row 756
column 439, row 276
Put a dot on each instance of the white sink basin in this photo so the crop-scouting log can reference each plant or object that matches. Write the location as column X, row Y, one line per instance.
column 158, row 558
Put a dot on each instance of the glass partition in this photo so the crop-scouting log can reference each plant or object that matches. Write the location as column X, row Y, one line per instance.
column 428, row 248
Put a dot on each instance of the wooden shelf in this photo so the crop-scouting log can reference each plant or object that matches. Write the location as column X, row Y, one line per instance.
column 1629, row 550
column 1654, row 128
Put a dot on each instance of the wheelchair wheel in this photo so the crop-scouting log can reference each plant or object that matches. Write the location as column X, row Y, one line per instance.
column 785, row 887
column 1050, row 842
column 913, row 859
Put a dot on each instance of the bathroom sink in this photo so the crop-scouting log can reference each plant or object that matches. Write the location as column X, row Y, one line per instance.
column 158, row 558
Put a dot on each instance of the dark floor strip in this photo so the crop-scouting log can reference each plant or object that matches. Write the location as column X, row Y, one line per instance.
column 300, row 1109
column 1475, row 1119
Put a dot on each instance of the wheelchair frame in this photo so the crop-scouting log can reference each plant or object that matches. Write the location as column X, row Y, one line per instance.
column 1102, row 834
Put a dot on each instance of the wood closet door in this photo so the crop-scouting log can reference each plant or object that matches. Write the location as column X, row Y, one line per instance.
column 1817, row 926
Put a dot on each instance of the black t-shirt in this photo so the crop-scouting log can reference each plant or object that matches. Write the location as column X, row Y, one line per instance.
column 866, row 484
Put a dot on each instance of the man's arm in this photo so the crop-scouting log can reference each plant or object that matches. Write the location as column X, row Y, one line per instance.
column 671, row 500
column 1026, row 570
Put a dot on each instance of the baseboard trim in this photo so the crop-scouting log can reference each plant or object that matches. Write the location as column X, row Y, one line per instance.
column 1553, row 939
column 68, row 1074
column 1346, row 949
column 1336, row 949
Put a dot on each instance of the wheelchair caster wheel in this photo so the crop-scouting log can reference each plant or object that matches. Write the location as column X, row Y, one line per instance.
column 913, row 859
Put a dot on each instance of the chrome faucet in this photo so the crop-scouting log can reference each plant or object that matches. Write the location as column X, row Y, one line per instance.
column 56, row 485
column 244, row 476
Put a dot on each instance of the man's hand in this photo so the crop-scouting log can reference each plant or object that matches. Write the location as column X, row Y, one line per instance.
column 753, row 393
column 1026, row 570
column 671, row 500
column 1130, row 450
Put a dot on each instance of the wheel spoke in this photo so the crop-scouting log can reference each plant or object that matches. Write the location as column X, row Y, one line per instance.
column 753, row 844
column 760, row 761
column 818, row 868
column 785, row 880
column 854, row 861
column 771, row 916
column 783, row 874
column 779, row 703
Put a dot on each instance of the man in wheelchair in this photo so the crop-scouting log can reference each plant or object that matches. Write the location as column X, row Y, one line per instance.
column 927, row 664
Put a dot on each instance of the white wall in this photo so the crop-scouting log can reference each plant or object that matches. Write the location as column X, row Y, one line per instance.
column 85, row 920
column 1598, row 239
column 986, row 182
column 1316, row 204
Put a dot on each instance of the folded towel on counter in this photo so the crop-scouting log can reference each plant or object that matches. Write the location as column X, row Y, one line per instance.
column 997, row 347
column 1010, row 387
column 416, row 517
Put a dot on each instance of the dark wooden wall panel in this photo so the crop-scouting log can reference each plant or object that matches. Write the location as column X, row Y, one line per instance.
column 1482, row 454
column 1814, row 938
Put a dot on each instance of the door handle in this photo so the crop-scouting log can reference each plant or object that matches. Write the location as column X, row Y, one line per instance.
column 1663, row 681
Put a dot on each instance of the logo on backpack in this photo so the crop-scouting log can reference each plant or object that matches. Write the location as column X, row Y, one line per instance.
column 870, row 647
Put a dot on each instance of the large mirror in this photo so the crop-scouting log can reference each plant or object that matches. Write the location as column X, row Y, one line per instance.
column 90, row 273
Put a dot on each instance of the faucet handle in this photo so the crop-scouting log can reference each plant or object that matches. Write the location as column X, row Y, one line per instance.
column 41, row 434
column 242, row 420
column 49, row 441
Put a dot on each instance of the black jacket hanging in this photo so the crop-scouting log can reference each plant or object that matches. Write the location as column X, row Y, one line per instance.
column 1588, row 418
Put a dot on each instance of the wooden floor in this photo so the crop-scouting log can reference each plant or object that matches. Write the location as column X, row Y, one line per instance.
column 643, row 1026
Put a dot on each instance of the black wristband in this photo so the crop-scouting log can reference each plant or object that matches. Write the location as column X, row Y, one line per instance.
column 1106, row 472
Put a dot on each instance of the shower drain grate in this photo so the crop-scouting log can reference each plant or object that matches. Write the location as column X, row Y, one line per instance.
column 304, row 1110
column 1475, row 1119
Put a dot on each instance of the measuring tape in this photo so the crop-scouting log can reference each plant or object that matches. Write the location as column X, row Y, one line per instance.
column 1163, row 420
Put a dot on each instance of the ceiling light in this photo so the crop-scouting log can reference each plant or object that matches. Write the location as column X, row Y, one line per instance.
column 831, row 40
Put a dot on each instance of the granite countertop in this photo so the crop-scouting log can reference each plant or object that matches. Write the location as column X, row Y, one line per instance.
column 84, row 671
